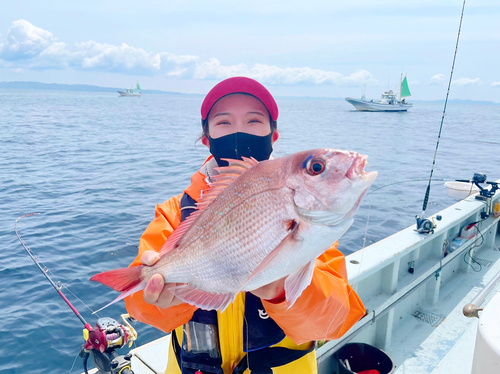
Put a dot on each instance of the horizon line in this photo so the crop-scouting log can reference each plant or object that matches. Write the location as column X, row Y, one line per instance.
column 93, row 88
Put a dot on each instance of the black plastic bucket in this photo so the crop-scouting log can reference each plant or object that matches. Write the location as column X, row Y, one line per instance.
column 362, row 357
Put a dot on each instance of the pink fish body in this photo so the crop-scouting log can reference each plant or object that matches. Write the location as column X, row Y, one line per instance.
column 259, row 222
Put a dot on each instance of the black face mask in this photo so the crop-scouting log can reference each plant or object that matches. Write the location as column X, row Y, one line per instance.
column 240, row 145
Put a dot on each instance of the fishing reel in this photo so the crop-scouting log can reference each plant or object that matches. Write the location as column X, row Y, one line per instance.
column 477, row 180
column 426, row 226
column 484, row 193
column 103, row 340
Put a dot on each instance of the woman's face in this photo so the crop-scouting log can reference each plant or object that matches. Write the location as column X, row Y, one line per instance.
column 238, row 113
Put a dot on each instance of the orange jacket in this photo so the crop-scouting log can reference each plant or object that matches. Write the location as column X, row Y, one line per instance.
column 325, row 310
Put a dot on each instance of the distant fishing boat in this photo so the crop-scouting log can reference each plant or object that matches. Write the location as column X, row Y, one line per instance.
column 389, row 101
column 131, row 91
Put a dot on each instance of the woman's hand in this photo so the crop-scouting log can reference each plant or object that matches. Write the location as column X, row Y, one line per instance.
column 273, row 292
column 157, row 292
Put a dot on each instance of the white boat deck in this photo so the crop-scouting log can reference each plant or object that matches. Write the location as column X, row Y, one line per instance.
column 152, row 357
column 418, row 347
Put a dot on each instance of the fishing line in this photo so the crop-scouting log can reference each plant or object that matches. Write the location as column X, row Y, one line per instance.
column 74, row 361
column 426, row 198
column 354, row 286
column 45, row 270
column 80, row 300
column 360, row 262
column 405, row 181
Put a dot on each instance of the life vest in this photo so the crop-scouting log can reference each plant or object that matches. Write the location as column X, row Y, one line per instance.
column 263, row 343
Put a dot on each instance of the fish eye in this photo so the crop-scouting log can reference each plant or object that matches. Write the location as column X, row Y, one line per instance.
column 315, row 166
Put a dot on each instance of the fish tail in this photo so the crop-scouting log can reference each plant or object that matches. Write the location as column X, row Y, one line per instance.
column 120, row 279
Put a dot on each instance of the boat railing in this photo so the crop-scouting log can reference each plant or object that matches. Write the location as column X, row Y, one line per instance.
column 473, row 308
column 385, row 274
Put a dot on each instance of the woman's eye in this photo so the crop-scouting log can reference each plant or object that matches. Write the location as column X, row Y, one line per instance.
column 315, row 166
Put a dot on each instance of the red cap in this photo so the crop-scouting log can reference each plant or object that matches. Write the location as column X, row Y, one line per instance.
column 239, row 85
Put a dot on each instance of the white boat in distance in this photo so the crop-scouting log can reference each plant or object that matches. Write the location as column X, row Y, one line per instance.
column 388, row 101
column 131, row 91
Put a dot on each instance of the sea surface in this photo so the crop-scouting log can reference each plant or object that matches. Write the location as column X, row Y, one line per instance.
column 95, row 165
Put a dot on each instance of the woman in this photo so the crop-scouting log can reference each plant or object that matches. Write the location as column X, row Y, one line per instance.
column 257, row 330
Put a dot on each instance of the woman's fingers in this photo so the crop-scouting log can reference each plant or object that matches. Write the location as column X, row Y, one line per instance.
column 149, row 258
column 154, row 289
column 274, row 292
column 157, row 292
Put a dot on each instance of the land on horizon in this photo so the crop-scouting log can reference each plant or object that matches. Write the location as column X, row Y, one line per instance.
column 91, row 88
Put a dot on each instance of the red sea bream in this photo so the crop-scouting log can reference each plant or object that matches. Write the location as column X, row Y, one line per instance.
column 259, row 222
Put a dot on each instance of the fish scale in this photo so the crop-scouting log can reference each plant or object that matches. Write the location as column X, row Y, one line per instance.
column 225, row 262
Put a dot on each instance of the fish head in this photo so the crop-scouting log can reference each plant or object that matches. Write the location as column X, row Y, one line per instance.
column 328, row 184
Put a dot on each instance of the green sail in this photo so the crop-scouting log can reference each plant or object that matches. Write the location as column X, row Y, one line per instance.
column 405, row 90
column 139, row 88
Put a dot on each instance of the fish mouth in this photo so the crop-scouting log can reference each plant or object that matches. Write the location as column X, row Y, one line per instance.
column 357, row 167
column 357, row 170
column 322, row 217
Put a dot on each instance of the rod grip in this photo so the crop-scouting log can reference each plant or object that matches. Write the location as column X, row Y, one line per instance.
column 426, row 198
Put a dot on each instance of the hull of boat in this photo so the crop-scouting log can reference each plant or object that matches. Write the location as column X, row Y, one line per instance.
column 368, row 106
column 122, row 93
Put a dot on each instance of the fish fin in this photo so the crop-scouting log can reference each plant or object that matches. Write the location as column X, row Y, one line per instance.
column 120, row 279
column 297, row 282
column 138, row 287
column 203, row 299
column 172, row 241
column 226, row 176
column 237, row 166
column 293, row 227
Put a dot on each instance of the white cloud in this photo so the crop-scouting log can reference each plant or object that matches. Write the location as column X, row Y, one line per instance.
column 438, row 79
column 25, row 40
column 31, row 47
column 496, row 84
column 466, row 82
column 213, row 69
column 17, row 70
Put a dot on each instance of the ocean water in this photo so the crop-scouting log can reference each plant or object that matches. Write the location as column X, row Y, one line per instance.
column 95, row 165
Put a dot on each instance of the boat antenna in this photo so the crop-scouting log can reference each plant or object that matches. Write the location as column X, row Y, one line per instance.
column 426, row 198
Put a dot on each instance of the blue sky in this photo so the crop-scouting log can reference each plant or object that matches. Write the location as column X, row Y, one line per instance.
column 296, row 48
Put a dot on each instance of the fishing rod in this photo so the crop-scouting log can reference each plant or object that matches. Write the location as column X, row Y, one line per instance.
column 102, row 340
column 422, row 221
column 45, row 271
